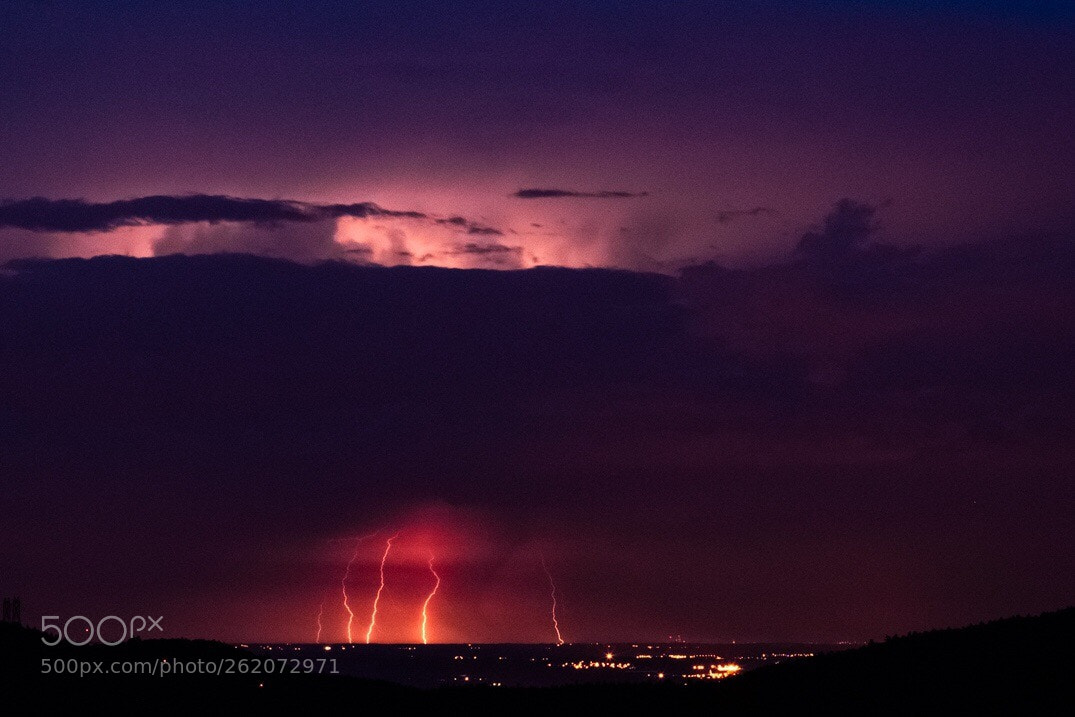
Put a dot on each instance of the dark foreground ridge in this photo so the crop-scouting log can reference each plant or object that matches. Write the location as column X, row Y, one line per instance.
column 1020, row 665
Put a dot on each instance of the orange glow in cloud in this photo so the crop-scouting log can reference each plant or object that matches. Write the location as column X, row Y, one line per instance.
column 405, row 242
column 532, row 233
column 136, row 241
column 414, row 243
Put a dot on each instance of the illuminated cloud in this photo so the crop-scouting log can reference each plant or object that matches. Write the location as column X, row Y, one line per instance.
column 205, row 224
column 302, row 241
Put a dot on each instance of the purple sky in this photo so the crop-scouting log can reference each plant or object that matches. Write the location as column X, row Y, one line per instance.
column 959, row 118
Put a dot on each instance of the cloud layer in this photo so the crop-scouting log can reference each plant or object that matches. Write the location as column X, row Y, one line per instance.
column 75, row 215
column 571, row 194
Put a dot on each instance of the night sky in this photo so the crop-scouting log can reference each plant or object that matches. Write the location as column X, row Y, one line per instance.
column 753, row 322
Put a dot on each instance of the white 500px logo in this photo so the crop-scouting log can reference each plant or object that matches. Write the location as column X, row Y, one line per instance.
column 130, row 628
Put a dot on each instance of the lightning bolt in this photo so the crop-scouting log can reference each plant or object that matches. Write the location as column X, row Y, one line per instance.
column 380, row 589
column 343, row 583
column 320, row 612
column 425, row 605
column 552, row 587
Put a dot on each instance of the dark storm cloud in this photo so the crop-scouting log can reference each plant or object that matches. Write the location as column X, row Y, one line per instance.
column 569, row 194
column 489, row 255
column 470, row 227
column 779, row 414
column 727, row 216
column 489, row 249
column 75, row 215
column 874, row 318
column 484, row 231
column 844, row 229
column 364, row 209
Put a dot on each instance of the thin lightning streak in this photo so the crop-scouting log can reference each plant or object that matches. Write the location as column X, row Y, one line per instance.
column 343, row 584
column 377, row 597
column 320, row 612
column 425, row 605
column 552, row 586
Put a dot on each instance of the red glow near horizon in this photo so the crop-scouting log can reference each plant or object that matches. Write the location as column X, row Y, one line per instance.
column 481, row 606
column 425, row 605
column 552, row 586
column 380, row 589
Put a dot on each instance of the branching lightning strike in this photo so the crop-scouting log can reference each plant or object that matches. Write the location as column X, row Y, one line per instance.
column 380, row 589
column 425, row 605
column 552, row 587
column 343, row 584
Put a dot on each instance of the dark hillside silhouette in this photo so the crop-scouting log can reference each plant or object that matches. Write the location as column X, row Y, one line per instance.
column 1021, row 665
